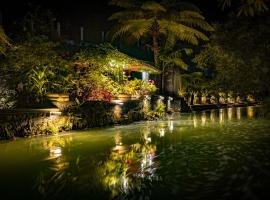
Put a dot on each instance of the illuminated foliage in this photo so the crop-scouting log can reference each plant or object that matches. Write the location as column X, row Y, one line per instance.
column 238, row 58
column 35, row 67
column 140, row 20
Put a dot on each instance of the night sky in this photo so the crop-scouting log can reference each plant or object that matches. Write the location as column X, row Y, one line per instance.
column 14, row 9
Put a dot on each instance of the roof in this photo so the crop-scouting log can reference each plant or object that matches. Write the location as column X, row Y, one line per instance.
column 108, row 55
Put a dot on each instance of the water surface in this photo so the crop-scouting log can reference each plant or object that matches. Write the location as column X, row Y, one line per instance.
column 218, row 154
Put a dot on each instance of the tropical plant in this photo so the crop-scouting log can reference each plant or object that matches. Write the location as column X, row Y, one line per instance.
column 35, row 67
column 246, row 7
column 140, row 20
column 238, row 58
column 171, row 58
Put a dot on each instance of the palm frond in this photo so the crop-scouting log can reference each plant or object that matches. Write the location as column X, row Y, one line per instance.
column 190, row 18
column 153, row 6
column 132, row 28
column 252, row 7
column 174, row 58
column 183, row 32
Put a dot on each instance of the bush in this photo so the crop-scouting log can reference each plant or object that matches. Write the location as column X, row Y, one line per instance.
column 28, row 124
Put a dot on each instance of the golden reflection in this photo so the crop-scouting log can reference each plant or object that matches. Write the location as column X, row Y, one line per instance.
column 213, row 116
column 230, row 113
column 161, row 132
column 238, row 113
column 123, row 170
column 203, row 119
column 55, row 152
column 118, row 138
column 117, row 110
column 195, row 121
column 250, row 112
column 221, row 116
column 170, row 125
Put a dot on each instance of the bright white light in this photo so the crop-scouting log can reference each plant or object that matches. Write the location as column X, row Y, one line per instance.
column 118, row 101
column 171, row 126
column 55, row 114
column 161, row 132
column 55, row 152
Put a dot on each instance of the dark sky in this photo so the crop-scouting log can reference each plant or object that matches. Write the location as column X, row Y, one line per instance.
column 13, row 9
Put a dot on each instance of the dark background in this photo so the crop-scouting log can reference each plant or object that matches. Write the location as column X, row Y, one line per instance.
column 90, row 14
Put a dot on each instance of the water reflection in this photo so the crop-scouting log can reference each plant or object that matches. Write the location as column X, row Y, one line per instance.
column 238, row 113
column 250, row 112
column 127, row 166
column 127, row 161
column 230, row 114
column 203, row 119
column 222, row 116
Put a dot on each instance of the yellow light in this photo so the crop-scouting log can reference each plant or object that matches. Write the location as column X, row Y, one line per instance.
column 250, row 112
column 230, row 113
column 203, row 119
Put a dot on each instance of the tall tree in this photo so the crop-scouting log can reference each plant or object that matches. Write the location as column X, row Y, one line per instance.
column 166, row 21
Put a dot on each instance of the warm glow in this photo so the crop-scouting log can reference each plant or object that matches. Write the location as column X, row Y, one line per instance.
column 250, row 112
column 230, row 113
column 203, row 119
column 238, row 113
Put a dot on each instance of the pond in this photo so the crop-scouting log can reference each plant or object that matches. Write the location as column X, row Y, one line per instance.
column 216, row 154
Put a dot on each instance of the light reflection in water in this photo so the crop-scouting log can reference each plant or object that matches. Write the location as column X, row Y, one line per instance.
column 238, row 113
column 250, row 112
column 221, row 116
column 212, row 116
column 170, row 125
column 230, row 113
column 55, row 152
column 125, row 170
column 161, row 132
column 203, row 119
column 195, row 121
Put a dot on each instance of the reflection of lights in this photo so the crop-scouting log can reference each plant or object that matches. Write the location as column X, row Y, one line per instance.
column 117, row 110
column 149, row 139
column 118, row 139
column 55, row 152
column 238, row 113
column 212, row 116
column 170, row 124
column 203, row 119
column 250, row 112
column 117, row 101
column 230, row 113
column 161, row 132
column 195, row 121
column 221, row 116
